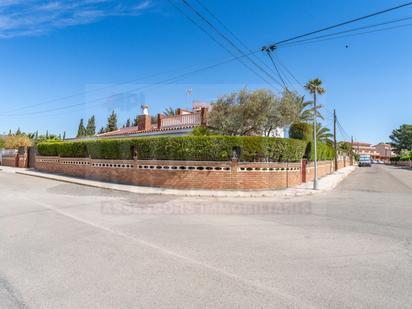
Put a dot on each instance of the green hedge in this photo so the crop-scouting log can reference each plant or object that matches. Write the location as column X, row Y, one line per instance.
column 196, row 148
column 324, row 152
column 48, row 149
column 302, row 131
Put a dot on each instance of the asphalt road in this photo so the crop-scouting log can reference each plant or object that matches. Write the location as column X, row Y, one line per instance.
column 68, row 246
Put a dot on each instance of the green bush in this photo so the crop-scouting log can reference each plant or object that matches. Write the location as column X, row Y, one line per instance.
column 324, row 152
column 48, row 149
column 196, row 148
column 110, row 149
column 72, row 149
column 302, row 131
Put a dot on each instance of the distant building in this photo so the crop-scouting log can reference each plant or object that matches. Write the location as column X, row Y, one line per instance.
column 385, row 151
column 381, row 151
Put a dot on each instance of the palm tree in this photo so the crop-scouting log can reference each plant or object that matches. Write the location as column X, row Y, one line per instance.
column 169, row 112
column 314, row 87
column 324, row 135
column 306, row 110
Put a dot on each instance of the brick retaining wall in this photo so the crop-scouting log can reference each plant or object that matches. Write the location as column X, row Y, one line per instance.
column 184, row 174
column 9, row 161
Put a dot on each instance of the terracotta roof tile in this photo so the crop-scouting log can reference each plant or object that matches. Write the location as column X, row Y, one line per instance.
column 135, row 130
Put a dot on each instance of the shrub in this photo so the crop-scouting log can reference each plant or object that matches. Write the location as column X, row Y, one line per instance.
column 16, row 141
column 324, row 152
column 48, row 149
column 71, row 149
column 302, row 131
column 110, row 149
column 196, row 148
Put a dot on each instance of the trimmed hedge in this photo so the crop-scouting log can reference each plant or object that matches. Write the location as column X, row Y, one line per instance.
column 324, row 152
column 48, row 149
column 193, row 148
column 302, row 131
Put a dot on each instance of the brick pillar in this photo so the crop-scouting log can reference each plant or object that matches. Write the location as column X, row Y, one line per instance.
column 144, row 122
column 203, row 116
column 234, row 166
column 304, row 163
column 16, row 160
column 159, row 120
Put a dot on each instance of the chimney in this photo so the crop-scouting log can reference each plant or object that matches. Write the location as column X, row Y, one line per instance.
column 159, row 120
column 145, row 109
column 144, row 121
column 203, row 117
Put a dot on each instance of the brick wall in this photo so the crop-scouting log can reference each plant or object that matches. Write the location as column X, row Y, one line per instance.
column 9, row 161
column 178, row 174
column 186, row 174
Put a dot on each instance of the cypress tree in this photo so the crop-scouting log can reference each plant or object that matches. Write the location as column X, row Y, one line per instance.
column 82, row 130
column 91, row 126
column 111, row 122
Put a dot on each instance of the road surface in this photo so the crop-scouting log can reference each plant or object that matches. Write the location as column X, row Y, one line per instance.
column 68, row 246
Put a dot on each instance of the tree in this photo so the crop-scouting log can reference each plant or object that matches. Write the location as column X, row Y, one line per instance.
column 169, row 112
column 1, row 143
column 81, row 131
column 102, row 130
column 64, row 135
column 324, row 135
column 18, row 132
column 402, row 138
column 16, row 141
column 315, row 87
column 91, row 126
column 242, row 113
column 111, row 122
column 346, row 148
column 128, row 124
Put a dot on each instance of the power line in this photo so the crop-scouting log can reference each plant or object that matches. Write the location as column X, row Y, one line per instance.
column 218, row 42
column 235, row 37
column 345, row 36
column 76, row 94
column 229, row 41
column 277, row 70
column 235, row 57
column 169, row 80
column 273, row 45
column 349, row 30
column 289, row 72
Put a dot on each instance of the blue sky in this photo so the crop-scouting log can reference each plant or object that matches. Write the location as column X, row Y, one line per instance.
column 122, row 53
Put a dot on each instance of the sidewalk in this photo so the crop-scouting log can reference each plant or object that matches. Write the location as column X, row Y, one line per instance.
column 326, row 183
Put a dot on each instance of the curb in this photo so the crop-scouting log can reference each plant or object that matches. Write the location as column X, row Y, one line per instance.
column 326, row 183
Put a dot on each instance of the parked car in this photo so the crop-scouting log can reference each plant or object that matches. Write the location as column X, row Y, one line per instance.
column 365, row 160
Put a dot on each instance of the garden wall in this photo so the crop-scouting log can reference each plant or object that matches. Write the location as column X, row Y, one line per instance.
column 228, row 175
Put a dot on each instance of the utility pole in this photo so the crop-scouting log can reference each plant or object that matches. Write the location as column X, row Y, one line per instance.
column 351, row 150
column 315, row 159
column 334, row 140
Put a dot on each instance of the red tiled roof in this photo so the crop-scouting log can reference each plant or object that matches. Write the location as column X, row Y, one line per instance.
column 135, row 130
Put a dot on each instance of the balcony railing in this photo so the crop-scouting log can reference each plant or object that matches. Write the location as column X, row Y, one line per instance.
column 181, row 120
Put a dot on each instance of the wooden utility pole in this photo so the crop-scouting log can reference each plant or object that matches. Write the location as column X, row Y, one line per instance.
column 351, row 151
column 334, row 140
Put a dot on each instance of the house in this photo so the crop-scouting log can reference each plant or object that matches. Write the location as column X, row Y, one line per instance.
column 381, row 151
column 385, row 151
column 180, row 124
